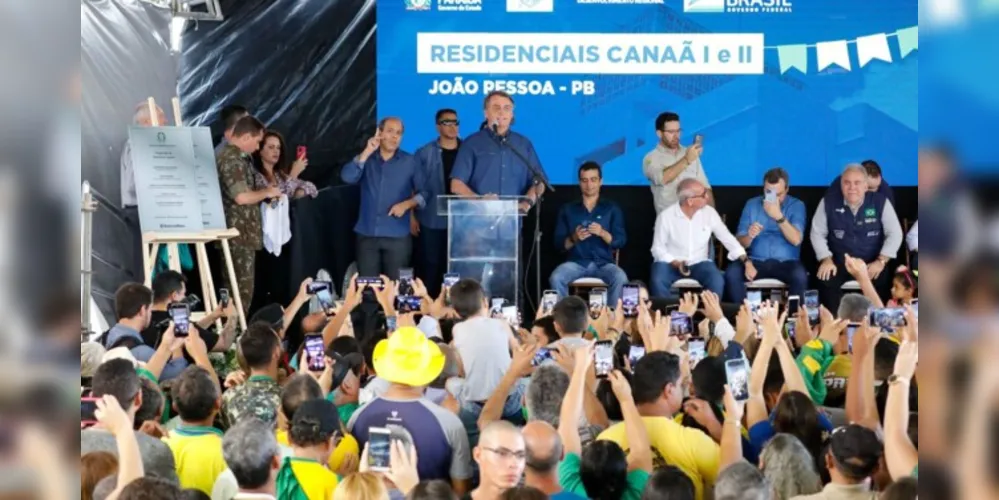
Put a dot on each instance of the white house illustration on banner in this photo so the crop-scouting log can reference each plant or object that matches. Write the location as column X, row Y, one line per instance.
column 834, row 52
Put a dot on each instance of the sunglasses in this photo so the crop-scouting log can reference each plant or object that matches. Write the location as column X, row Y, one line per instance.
column 447, row 123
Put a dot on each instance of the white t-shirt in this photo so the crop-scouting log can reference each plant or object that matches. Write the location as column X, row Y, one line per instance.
column 483, row 344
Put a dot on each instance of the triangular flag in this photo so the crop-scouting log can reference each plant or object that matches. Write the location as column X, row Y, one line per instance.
column 873, row 47
column 793, row 56
column 908, row 40
column 834, row 52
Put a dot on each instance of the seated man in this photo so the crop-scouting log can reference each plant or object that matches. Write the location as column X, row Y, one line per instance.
column 772, row 232
column 875, row 182
column 858, row 222
column 590, row 231
column 681, row 241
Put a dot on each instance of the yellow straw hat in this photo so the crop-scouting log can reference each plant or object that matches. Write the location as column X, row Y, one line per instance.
column 408, row 357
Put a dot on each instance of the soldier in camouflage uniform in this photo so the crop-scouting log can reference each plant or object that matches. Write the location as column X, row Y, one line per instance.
column 242, row 203
column 260, row 395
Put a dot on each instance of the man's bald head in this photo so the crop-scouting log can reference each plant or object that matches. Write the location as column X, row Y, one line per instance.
column 543, row 446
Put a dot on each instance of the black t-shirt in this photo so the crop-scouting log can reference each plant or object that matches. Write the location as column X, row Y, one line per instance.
column 447, row 158
column 158, row 324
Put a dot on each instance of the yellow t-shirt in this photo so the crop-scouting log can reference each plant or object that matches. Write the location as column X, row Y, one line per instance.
column 197, row 453
column 689, row 450
column 348, row 446
column 836, row 377
column 316, row 481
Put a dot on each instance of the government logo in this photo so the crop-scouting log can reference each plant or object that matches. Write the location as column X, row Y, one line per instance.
column 417, row 4
column 737, row 6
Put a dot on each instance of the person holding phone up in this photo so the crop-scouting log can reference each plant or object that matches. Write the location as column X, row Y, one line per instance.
column 771, row 228
column 391, row 187
column 274, row 167
column 671, row 162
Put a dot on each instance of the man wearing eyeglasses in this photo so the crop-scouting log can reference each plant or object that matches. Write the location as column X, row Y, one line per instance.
column 427, row 225
column 670, row 162
column 501, row 456
column 682, row 238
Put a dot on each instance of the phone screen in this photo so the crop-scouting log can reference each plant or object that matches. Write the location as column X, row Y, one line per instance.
column 635, row 353
column 851, row 330
column 629, row 301
column 379, row 448
column 88, row 409
column 603, row 358
column 317, row 352
column 548, row 301
column 812, row 305
column 888, row 318
column 793, row 303
column 180, row 314
column 776, row 296
column 300, row 153
column 543, row 354
column 496, row 306
column 737, row 375
column 598, row 300
column 698, row 139
column 680, row 324
column 322, row 291
column 792, row 329
column 755, row 299
column 450, row 279
column 370, row 280
column 224, row 297
column 697, row 351
column 510, row 315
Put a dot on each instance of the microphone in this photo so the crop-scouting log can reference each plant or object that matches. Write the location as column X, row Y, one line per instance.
column 495, row 127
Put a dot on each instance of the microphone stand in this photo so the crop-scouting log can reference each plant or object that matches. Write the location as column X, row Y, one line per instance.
column 538, row 178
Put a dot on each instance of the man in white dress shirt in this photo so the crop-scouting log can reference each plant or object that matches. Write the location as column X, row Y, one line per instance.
column 681, row 242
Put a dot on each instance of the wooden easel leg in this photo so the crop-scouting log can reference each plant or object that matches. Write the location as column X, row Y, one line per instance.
column 233, row 283
column 207, row 285
column 149, row 253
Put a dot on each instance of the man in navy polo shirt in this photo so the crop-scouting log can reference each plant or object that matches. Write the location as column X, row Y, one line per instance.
column 590, row 230
column 436, row 159
column 858, row 222
column 391, row 186
column 772, row 228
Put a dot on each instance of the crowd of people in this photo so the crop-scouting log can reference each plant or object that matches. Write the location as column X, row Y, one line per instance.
column 368, row 399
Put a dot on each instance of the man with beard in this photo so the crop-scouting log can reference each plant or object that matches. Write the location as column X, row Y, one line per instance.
column 669, row 163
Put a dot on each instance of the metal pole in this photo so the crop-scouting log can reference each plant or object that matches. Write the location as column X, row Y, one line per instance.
column 87, row 209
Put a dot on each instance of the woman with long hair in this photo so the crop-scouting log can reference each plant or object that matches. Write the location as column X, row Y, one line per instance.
column 790, row 467
column 274, row 168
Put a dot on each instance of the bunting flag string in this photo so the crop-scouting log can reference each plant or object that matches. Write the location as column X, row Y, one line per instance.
column 837, row 52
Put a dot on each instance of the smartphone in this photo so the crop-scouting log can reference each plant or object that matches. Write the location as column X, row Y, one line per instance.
column 323, row 292
column 792, row 329
column 88, row 410
column 543, row 354
column 680, row 324
column 379, row 448
column 635, row 354
column 888, row 318
column 496, row 306
column 812, row 306
column 180, row 314
column 406, row 281
column 370, row 280
column 407, row 304
column 698, row 139
column 598, row 300
column 851, row 330
column 603, row 358
column 510, row 314
column 300, row 153
column 548, row 300
column 755, row 299
column 793, row 303
column 776, row 296
column 317, row 352
column 451, row 279
column 770, row 196
column 629, row 301
column 316, row 286
column 224, row 297
column 696, row 350
column 737, row 376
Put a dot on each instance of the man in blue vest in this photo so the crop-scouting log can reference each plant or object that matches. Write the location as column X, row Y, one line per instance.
column 436, row 160
column 857, row 222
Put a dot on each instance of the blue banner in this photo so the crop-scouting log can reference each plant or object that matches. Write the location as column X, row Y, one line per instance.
column 807, row 85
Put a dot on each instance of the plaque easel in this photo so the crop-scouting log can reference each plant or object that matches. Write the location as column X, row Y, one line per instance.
column 152, row 240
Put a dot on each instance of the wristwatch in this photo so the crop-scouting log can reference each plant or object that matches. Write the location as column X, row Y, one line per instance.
column 743, row 258
column 781, row 220
column 895, row 378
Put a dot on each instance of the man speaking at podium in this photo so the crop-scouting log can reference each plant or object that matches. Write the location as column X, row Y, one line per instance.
column 487, row 165
column 494, row 162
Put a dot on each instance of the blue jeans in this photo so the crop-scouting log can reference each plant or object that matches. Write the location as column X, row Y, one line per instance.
column 791, row 272
column 705, row 273
column 568, row 272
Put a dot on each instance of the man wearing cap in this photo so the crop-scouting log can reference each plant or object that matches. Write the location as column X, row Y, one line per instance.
column 854, row 454
column 410, row 362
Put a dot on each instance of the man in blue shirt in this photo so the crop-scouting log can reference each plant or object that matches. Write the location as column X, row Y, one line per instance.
column 590, row 230
column 391, row 186
column 133, row 305
column 436, row 162
column 486, row 165
column 771, row 228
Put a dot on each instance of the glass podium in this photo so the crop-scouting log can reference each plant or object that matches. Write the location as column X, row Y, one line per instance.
column 484, row 242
